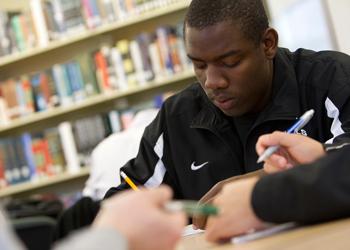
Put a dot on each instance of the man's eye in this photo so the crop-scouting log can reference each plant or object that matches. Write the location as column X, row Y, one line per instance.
column 231, row 64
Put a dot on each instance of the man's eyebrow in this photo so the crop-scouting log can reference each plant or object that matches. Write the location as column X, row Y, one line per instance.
column 229, row 53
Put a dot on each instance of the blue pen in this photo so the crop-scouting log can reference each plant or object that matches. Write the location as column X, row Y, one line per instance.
column 303, row 120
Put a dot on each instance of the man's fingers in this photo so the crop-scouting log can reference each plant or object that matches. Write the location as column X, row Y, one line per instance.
column 276, row 138
column 160, row 195
column 199, row 222
column 218, row 229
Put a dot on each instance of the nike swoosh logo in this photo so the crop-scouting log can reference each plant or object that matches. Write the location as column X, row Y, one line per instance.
column 194, row 167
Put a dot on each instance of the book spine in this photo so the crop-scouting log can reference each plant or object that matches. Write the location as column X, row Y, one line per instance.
column 117, row 61
column 39, row 22
column 26, row 141
column 136, row 57
column 102, row 71
column 114, row 120
column 61, row 84
column 39, row 98
column 69, row 147
column 3, row 182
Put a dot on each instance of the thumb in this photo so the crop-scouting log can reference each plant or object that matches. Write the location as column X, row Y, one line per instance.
column 160, row 195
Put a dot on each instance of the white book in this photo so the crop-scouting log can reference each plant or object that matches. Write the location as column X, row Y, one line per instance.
column 39, row 22
column 69, row 147
column 155, row 61
column 4, row 117
column 117, row 61
column 137, row 60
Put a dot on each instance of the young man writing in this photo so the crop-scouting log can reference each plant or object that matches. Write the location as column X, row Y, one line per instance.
column 246, row 87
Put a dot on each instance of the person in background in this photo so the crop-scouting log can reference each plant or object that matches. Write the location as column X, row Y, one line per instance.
column 247, row 86
column 133, row 220
column 317, row 190
column 113, row 152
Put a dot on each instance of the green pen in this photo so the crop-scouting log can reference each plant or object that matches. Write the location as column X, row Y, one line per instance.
column 191, row 207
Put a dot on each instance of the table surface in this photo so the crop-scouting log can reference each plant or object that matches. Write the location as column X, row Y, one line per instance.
column 333, row 235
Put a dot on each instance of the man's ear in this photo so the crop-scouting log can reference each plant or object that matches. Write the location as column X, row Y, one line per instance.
column 270, row 42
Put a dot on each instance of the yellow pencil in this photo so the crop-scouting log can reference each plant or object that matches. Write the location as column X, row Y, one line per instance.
column 129, row 181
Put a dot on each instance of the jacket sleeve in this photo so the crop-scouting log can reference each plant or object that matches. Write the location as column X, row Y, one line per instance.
column 308, row 193
column 149, row 168
column 337, row 103
column 93, row 239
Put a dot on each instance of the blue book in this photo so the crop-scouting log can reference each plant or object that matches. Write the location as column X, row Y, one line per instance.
column 61, row 84
column 39, row 99
column 26, row 141
column 74, row 80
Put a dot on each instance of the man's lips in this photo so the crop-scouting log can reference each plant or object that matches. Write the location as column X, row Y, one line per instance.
column 225, row 103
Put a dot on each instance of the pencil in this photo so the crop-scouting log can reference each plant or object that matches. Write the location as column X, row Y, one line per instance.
column 129, row 181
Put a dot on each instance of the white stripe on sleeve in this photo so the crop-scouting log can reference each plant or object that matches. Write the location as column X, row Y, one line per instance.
column 333, row 112
column 159, row 171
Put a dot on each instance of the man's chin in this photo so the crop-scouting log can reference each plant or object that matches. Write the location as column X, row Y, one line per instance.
column 234, row 112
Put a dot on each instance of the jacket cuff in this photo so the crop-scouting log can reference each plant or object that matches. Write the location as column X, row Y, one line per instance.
column 334, row 146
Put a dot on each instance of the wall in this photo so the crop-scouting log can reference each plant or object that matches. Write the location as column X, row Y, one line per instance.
column 337, row 15
column 340, row 17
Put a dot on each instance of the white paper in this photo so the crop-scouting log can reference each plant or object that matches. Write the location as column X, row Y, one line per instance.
column 188, row 230
column 262, row 233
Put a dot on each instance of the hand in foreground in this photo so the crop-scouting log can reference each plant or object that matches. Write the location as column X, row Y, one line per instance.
column 200, row 221
column 140, row 217
column 236, row 213
column 294, row 150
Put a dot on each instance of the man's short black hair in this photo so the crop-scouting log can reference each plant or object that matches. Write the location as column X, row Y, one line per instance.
column 250, row 15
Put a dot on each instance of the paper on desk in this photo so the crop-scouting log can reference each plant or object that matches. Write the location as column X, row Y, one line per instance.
column 271, row 230
column 188, row 230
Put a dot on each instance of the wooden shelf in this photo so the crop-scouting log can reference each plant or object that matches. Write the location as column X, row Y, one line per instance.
column 88, row 34
column 64, row 111
column 29, row 186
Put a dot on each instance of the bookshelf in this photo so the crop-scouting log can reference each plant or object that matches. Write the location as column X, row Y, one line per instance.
column 44, row 184
column 60, row 51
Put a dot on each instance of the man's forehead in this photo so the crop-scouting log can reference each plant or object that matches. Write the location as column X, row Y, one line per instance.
column 213, row 42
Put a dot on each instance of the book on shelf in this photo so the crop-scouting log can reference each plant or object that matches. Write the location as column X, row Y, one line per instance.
column 123, row 47
column 87, row 69
column 69, row 147
column 55, row 149
column 114, row 118
column 21, row 163
column 3, row 181
column 75, row 80
column 39, row 22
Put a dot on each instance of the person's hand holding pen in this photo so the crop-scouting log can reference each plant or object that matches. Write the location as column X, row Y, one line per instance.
column 294, row 149
column 236, row 212
column 141, row 218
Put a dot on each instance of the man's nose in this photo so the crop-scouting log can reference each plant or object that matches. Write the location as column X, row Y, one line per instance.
column 214, row 79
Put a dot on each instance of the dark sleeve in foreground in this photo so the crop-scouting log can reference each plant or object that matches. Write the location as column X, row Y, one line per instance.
column 308, row 193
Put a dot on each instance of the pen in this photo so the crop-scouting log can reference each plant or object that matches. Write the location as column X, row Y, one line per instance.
column 129, row 181
column 303, row 120
column 191, row 207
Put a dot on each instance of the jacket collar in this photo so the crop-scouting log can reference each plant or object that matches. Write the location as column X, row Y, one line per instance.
column 209, row 116
column 284, row 104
